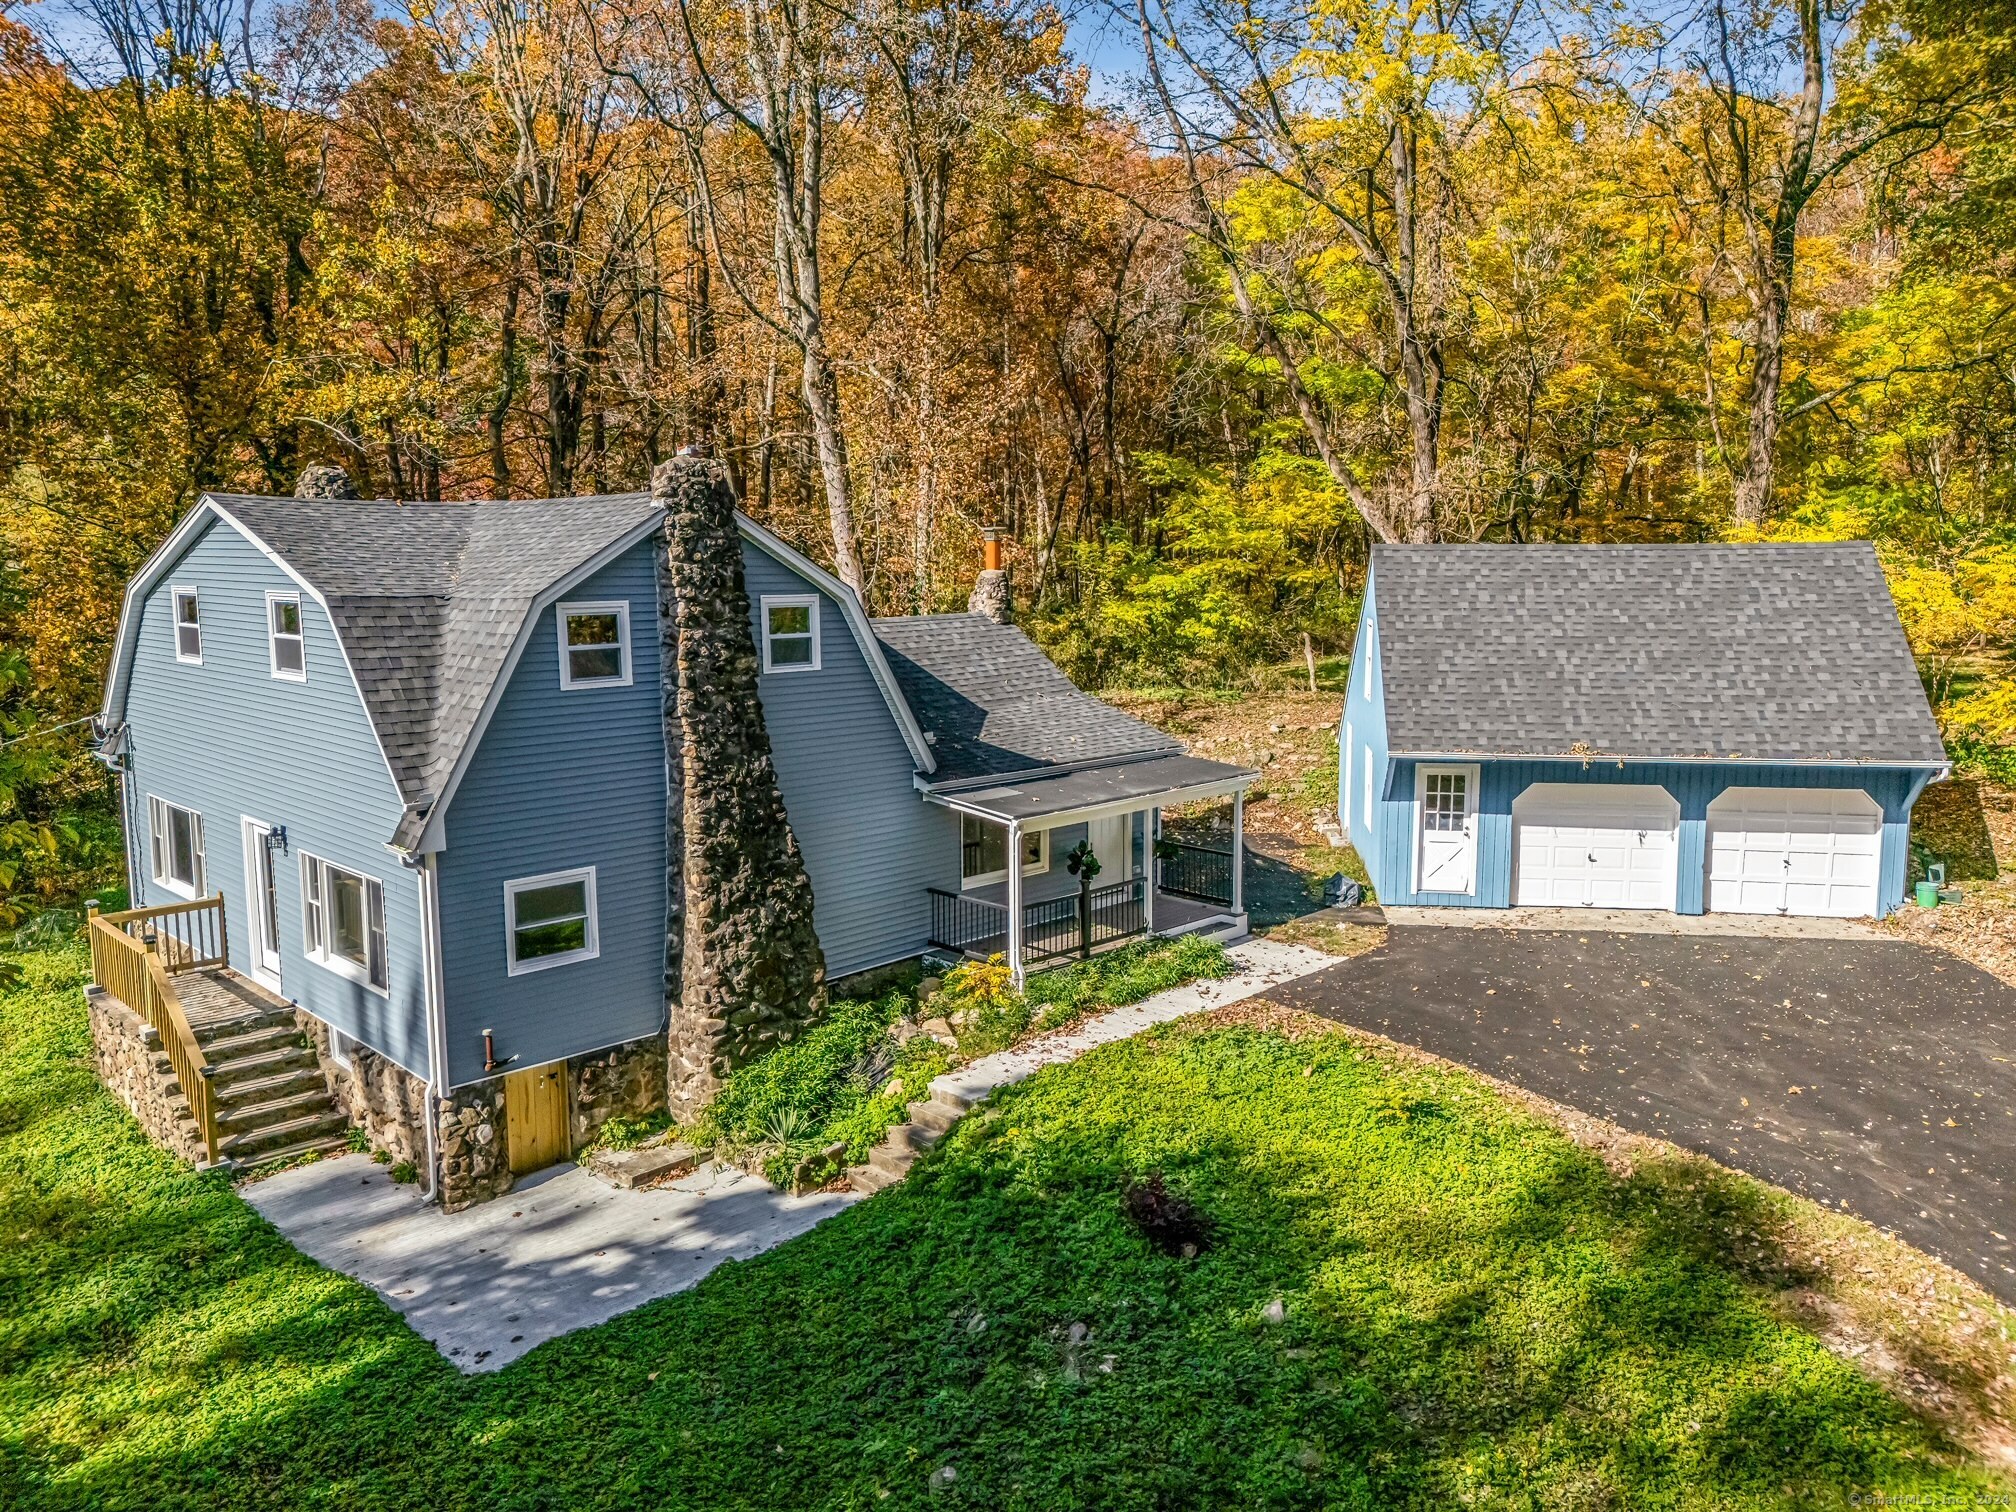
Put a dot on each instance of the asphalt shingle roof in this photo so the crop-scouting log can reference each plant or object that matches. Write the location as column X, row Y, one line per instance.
column 429, row 598
column 992, row 703
column 1758, row 653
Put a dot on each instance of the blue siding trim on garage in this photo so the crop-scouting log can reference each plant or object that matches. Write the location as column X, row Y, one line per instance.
column 1693, row 785
column 562, row 778
column 871, row 844
column 230, row 740
column 1362, row 745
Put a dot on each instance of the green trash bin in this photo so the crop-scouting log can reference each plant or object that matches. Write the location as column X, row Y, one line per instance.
column 1928, row 894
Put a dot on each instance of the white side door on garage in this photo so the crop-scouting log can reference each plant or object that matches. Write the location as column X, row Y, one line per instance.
column 1595, row 845
column 1813, row 852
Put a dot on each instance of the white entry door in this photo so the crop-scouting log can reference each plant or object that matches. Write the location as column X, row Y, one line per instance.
column 1812, row 852
column 1447, row 800
column 1596, row 845
column 262, row 903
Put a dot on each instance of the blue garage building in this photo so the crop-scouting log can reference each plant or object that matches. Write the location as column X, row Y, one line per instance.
column 1728, row 729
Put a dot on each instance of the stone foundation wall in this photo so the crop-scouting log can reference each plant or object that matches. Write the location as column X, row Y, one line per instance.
column 132, row 1063
column 381, row 1097
column 626, row 1082
column 475, row 1158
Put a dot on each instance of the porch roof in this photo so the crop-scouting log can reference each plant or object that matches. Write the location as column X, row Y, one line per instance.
column 1076, row 792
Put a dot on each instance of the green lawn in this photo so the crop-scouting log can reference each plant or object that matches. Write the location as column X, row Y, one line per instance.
column 1474, row 1312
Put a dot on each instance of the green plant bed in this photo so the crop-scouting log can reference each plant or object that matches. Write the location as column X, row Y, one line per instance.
column 1414, row 1296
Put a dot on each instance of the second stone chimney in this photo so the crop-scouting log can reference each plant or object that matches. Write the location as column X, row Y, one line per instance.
column 321, row 480
column 990, row 592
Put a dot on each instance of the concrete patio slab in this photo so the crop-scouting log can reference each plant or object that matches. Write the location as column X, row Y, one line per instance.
column 562, row 1250
column 1635, row 921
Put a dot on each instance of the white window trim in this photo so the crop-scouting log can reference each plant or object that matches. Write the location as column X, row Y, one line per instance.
column 1473, row 775
column 175, row 597
column 315, row 937
column 1368, row 790
column 588, row 952
column 810, row 601
column 273, row 638
column 618, row 607
column 188, row 891
column 1029, row 868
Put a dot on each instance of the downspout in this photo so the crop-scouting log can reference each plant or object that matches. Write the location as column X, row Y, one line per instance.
column 434, row 991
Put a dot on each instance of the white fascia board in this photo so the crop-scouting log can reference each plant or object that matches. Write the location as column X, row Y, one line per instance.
column 857, row 621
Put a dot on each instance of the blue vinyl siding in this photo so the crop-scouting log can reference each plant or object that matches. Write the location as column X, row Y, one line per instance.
column 562, row 778
column 230, row 741
column 1694, row 785
column 872, row 845
column 1387, row 846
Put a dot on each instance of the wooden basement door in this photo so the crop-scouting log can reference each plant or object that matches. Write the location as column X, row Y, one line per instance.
column 535, row 1118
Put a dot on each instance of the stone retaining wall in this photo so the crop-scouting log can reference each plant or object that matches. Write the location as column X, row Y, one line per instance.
column 626, row 1082
column 379, row 1096
column 132, row 1063
column 475, row 1159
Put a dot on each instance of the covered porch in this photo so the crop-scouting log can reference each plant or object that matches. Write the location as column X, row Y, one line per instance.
column 1146, row 882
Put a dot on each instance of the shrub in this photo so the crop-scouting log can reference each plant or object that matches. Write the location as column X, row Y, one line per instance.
column 811, row 1074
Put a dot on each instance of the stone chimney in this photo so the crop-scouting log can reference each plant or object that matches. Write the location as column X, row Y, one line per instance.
column 743, row 967
column 990, row 591
column 320, row 480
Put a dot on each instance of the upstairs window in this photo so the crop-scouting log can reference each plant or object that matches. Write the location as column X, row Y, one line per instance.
column 550, row 920
column 595, row 645
column 176, row 836
column 343, row 921
column 188, row 627
column 791, row 632
column 283, row 623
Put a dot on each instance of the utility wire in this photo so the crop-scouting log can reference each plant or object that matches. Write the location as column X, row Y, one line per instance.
column 49, row 730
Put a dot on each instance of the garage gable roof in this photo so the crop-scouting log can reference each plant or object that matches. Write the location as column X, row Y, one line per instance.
column 1779, row 653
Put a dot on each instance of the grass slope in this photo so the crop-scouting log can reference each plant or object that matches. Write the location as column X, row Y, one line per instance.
column 1473, row 1312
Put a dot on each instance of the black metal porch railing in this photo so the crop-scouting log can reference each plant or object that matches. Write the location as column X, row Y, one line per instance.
column 1201, row 872
column 1051, row 928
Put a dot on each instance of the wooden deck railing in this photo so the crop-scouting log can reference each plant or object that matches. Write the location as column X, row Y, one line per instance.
column 128, row 960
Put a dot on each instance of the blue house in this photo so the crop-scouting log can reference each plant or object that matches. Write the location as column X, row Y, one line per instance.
column 416, row 756
column 1726, row 729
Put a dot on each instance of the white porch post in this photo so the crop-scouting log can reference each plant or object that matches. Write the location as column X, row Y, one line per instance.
column 1151, row 825
column 1015, row 903
column 1239, row 851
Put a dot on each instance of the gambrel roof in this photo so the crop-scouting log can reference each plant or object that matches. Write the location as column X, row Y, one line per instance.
column 433, row 602
column 1785, row 653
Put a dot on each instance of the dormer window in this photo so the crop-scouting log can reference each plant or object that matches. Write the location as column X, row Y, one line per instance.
column 790, row 632
column 289, row 653
column 188, row 627
column 595, row 645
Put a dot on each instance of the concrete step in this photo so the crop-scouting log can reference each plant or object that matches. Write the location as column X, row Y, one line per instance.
column 256, row 1143
column 870, row 1179
column 895, row 1159
column 912, row 1136
column 328, row 1144
column 936, row 1116
column 285, row 1060
column 236, row 1117
column 287, row 1081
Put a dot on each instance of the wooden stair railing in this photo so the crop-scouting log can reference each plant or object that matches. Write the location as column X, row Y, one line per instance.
column 127, row 960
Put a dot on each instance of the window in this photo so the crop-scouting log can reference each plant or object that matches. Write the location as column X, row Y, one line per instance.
column 983, row 850
column 188, row 627
column 343, row 1049
column 343, row 921
column 177, row 836
column 550, row 920
column 790, row 633
column 283, row 625
column 1443, row 805
column 595, row 645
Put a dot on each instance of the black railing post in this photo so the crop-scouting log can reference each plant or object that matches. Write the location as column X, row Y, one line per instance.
column 1084, row 918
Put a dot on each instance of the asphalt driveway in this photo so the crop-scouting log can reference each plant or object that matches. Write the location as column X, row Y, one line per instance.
column 1875, row 1076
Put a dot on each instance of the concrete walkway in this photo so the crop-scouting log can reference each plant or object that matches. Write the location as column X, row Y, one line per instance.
column 562, row 1250
column 1635, row 921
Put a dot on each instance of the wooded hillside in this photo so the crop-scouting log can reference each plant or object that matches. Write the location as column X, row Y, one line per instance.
column 1280, row 279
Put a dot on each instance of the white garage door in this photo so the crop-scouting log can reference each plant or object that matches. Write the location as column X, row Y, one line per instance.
column 1595, row 845
column 1807, row 851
